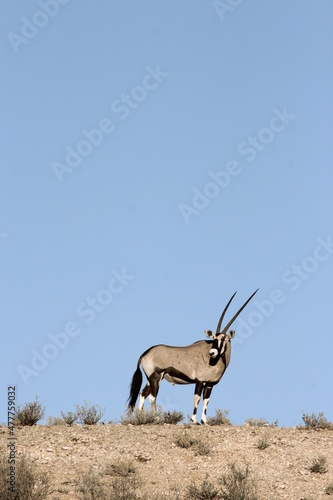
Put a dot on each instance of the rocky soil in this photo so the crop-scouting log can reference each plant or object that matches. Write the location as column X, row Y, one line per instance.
column 161, row 466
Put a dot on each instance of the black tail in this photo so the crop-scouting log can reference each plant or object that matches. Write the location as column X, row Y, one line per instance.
column 135, row 387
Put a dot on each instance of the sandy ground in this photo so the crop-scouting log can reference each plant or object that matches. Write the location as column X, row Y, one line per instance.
column 280, row 471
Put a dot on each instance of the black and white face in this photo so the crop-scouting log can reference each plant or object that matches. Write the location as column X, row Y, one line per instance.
column 219, row 342
column 219, row 346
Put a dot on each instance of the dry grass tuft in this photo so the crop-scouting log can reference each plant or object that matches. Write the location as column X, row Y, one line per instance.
column 30, row 414
column 89, row 414
column 30, row 483
column 121, row 468
column 318, row 465
column 184, row 440
column 316, row 422
column 89, row 486
column 220, row 418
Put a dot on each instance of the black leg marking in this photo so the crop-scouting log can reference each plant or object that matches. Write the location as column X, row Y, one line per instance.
column 146, row 391
column 206, row 395
column 154, row 381
column 197, row 397
column 207, row 392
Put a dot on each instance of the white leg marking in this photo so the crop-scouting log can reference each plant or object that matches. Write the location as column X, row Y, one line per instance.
column 204, row 409
column 152, row 402
column 141, row 401
column 196, row 403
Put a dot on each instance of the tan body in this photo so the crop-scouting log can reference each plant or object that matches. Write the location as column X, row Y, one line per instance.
column 199, row 367
column 202, row 363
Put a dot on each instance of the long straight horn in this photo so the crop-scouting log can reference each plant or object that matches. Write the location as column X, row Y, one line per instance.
column 225, row 329
column 222, row 315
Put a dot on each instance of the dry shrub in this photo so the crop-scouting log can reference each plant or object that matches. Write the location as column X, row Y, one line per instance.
column 262, row 443
column 237, row 484
column 184, row 440
column 220, row 418
column 121, row 468
column 329, row 489
column 124, row 488
column 142, row 417
column 151, row 416
column 89, row 487
column 257, row 422
column 318, row 465
column 202, row 448
column 89, row 414
column 30, row 414
column 54, row 421
column 314, row 421
column 172, row 417
column 69, row 418
column 30, row 483
column 206, row 491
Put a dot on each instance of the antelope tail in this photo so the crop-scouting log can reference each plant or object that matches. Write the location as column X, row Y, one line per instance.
column 135, row 387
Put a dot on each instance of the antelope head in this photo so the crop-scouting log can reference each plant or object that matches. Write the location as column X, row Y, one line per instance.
column 220, row 339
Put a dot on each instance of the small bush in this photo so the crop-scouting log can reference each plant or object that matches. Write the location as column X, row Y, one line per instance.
column 89, row 487
column 30, row 414
column 318, row 465
column 172, row 417
column 142, row 417
column 54, row 421
column 202, row 448
column 315, row 421
column 262, row 443
column 260, row 422
column 206, row 491
column 329, row 489
column 237, row 484
column 121, row 468
column 30, row 484
column 184, row 440
column 69, row 418
column 220, row 418
column 124, row 488
column 89, row 415
column 234, row 485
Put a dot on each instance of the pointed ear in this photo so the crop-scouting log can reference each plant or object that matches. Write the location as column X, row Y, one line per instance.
column 231, row 334
column 209, row 334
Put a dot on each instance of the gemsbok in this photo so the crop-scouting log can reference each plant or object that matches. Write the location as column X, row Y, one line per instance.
column 202, row 363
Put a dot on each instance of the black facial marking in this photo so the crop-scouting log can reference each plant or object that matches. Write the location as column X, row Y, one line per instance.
column 215, row 345
column 223, row 358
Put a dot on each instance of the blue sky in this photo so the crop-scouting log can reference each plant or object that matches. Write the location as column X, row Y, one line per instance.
column 157, row 157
